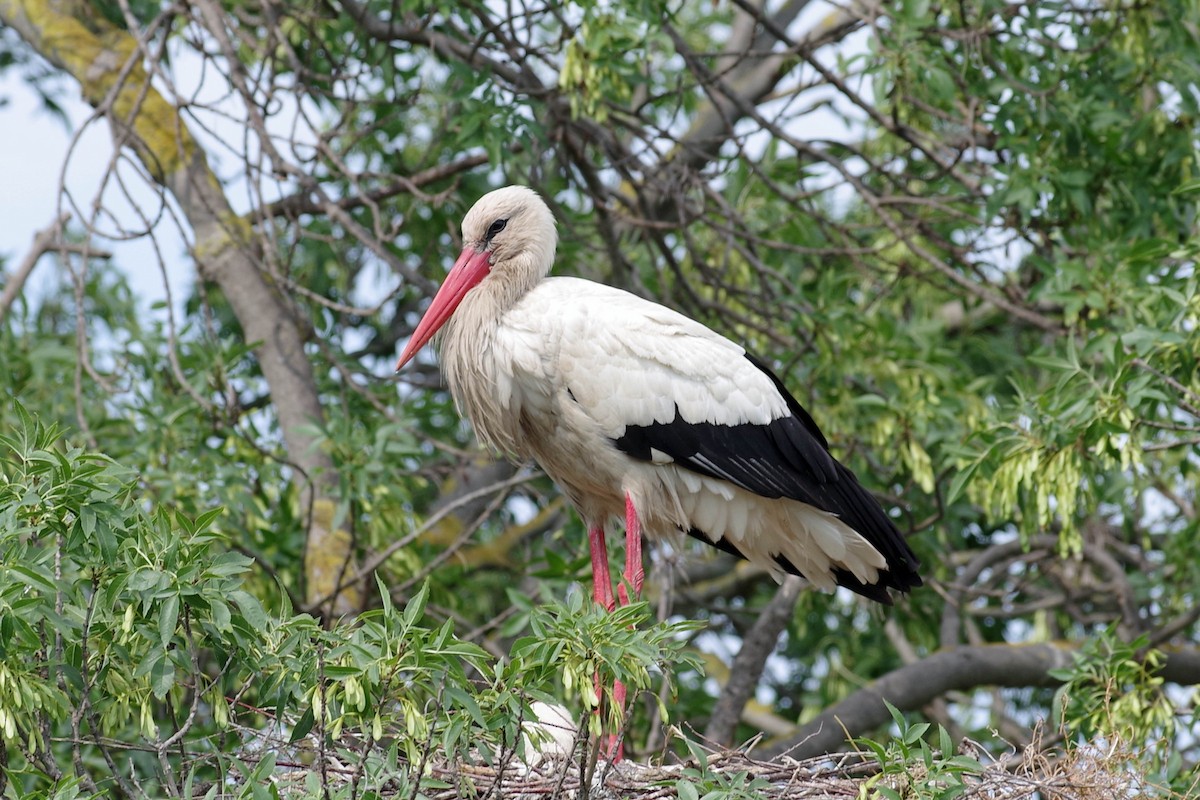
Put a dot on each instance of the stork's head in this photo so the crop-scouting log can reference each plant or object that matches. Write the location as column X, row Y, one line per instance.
column 509, row 238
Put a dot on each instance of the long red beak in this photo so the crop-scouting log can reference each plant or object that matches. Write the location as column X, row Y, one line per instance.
column 471, row 267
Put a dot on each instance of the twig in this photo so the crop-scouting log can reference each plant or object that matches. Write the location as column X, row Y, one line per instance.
column 371, row 565
column 43, row 241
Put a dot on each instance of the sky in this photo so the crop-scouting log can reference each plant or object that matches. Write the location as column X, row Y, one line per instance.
column 34, row 145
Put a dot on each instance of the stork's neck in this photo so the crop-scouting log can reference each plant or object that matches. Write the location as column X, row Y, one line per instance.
column 508, row 282
column 476, row 319
column 474, row 362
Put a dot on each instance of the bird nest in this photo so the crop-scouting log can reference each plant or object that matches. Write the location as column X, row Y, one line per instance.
column 1080, row 773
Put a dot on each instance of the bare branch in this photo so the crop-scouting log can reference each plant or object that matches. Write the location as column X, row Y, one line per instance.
column 413, row 32
column 43, row 241
column 748, row 665
column 302, row 202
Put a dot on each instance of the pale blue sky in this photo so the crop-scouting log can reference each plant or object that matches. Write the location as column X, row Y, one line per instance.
column 33, row 148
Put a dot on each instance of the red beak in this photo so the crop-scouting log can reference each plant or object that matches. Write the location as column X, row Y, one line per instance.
column 471, row 267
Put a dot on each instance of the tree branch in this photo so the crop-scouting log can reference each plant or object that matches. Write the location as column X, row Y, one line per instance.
column 303, row 203
column 43, row 241
column 747, row 668
column 963, row 668
column 729, row 96
column 413, row 32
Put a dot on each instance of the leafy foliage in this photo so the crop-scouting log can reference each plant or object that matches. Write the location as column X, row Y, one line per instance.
column 965, row 234
column 122, row 625
column 1112, row 692
column 701, row 782
column 591, row 648
column 910, row 768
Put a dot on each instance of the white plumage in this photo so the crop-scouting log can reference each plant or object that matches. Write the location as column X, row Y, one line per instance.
column 639, row 412
column 573, row 364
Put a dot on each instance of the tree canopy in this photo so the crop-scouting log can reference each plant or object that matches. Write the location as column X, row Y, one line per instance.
column 964, row 234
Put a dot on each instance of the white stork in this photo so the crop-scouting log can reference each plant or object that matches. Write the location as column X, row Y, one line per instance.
column 639, row 412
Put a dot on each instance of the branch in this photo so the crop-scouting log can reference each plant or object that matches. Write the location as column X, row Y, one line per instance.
column 901, row 230
column 43, row 241
column 414, row 32
column 745, row 84
column 963, row 668
column 747, row 668
column 497, row 491
column 1189, row 400
column 303, row 203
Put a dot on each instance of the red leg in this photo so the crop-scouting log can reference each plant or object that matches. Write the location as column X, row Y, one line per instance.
column 635, row 576
column 603, row 594
column 601, row 580
column 611, row 744
column 635, row 573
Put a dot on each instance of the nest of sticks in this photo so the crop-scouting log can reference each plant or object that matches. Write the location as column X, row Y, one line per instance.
column 1036, row 773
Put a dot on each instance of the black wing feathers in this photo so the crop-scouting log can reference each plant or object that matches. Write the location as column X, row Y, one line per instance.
column 793, row 404
column 720, row 544
column 779, row 459
column 787, row 457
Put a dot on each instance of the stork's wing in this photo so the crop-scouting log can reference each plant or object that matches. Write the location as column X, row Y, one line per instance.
column 786, row 457
column 665, row 388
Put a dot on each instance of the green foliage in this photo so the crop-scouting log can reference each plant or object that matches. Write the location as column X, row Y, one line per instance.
column 104, row 602
column 909, row 769
column 130, row 626
column 110, row 615
column 614, row 51
column 590, row 648
column 964, row 235
column 1112, row 692
column 1087, row 409
column 1093, row 138
column 701, row 782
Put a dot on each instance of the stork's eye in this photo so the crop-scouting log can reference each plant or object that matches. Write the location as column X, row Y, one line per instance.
column 495, row 228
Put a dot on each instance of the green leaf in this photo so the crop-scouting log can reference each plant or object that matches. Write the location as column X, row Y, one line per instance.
column 168, row 617
column 146, row 579
column 338, row 672
column 221, row 617
column 415, row 607
column 302, row 726
column 686, row 790
column 205, row 519
column 945, row 746
column 960, row 480
column 250, row 609
column 162, row 677
column 1186, row 188
column 897, row 716
column 32, row 578
column 228, row 564
column 965, row 763
column 915, row 733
